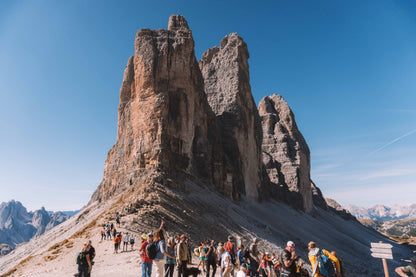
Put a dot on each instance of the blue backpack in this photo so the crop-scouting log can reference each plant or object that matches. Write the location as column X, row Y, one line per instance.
column 326, row 268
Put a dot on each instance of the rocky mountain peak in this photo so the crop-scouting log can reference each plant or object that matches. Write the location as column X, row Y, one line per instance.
column 177, row 22
column 227, row 86
column 286, row 154
column 165, row 124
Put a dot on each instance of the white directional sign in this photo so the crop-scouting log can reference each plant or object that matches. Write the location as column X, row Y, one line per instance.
column 382, row 256
column 381, row 245
column 382, row 251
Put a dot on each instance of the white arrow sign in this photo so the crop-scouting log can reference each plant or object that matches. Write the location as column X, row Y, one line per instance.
column 381, row 250
column 381, row 245
column 382, row 256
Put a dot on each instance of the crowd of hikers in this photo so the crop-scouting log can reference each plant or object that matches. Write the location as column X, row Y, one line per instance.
column 230, row 258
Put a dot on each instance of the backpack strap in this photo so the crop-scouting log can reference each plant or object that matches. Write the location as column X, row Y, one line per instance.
column 316, row 263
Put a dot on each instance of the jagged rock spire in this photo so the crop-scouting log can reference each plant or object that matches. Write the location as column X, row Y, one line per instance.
column 227, row 85
column 285, row 153
column 177, row 22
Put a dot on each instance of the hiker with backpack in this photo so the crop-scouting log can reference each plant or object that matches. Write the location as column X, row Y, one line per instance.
column 211, row 258
column 321, row 261
column 161, row 252
column 84, row 262
column 146, row 261
column 263, row 268
column 91, row 253
column 253, row 256
column 117, row 241
column 288, row 260
column 230, row 247
column 240, row 256
column 182, row 253
column 131, row 242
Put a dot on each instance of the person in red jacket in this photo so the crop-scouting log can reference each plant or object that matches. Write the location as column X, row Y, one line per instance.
column 146, row 262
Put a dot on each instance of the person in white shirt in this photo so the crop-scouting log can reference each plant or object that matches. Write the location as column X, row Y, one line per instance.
column 126, row 241
column 226, row 265
column 242, row 272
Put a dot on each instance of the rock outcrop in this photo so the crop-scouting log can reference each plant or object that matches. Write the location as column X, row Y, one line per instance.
column 165, row 123
column 227, row 85
column 181, row 120
column 285, row 153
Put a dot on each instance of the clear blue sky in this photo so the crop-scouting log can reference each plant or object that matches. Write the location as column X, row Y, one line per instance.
column 346, row 68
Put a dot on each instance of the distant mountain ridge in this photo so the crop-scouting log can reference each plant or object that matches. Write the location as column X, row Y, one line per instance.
column 384, row 213
column 17, row 225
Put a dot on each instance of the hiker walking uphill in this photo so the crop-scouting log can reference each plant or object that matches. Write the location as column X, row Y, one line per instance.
column 288, row 260
column 321, row 262
column 84, row 262
column 182, row 253
column 146, row 261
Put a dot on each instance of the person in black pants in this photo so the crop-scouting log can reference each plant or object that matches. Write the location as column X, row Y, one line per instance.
column 254, row 258
column 182, row 256
column 210, row 255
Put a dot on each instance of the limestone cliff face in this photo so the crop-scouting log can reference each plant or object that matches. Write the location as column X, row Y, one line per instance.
column 285, row 153
column 164, row 120
column 227, row 85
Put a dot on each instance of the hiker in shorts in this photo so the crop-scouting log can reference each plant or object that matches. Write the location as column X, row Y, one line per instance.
column 288, row 260
column 254, row 258
column 230, row 247
column 131, row 242
column 314, row 254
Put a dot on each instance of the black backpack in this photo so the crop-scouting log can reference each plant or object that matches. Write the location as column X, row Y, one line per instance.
column 82, row 258
column 151, row 250
column 246, row 253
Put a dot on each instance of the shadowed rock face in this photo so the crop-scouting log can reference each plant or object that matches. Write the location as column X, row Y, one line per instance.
column 285, row 153
column 164, row 120
column 227, row 85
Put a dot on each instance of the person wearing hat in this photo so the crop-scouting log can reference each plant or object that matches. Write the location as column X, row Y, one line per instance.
column 289, row 258
column 254, row 258
column 146, row 261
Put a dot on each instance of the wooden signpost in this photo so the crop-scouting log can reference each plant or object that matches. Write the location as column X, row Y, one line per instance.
column 382, row 251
